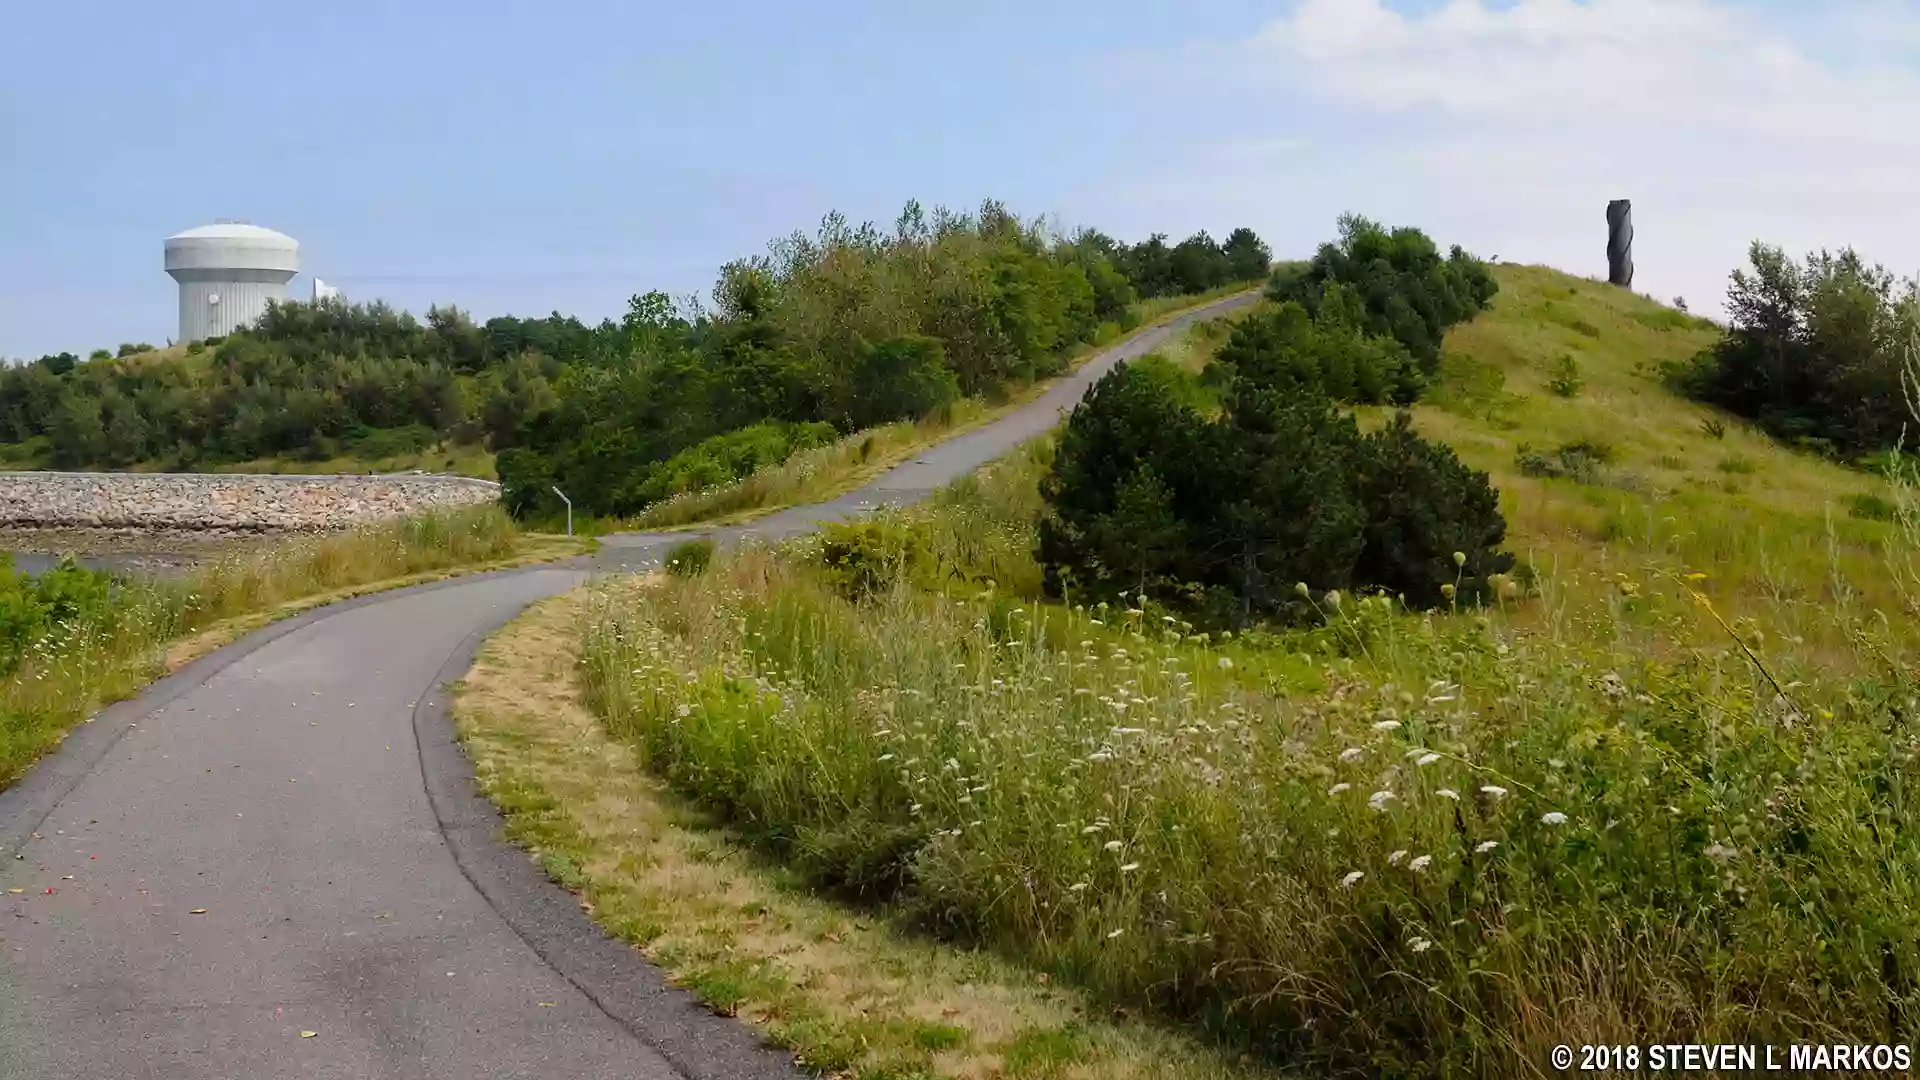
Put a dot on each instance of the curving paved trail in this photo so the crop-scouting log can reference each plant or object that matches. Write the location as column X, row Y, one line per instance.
column 284, row 838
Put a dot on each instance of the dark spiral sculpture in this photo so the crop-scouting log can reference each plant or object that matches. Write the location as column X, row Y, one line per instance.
column 1620, row 243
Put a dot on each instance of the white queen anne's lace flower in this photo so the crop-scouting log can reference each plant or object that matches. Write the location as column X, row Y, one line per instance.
column 1352, row 878
column 1553, row 817
column 1420, row 863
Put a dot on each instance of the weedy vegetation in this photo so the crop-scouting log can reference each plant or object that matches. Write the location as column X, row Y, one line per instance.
column 1647, row 783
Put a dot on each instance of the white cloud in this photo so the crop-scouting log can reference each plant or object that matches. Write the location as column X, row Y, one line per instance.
column 1508, row 130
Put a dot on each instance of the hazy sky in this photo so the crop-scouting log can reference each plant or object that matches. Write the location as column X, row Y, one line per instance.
column 519, row 157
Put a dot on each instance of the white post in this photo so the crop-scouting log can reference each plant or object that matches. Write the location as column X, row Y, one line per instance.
column 569, row 502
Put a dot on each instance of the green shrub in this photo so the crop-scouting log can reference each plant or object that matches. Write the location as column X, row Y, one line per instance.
column 66, row 601
column 1403, row 287
column 377, row 443
column 1870, row 507
column 1229, row 518
column 868, row 557
column 689, row 558
column 1584, row 461
column 902, row 378
column 1566, row 380
column 1326, row 354
column 1432, row 522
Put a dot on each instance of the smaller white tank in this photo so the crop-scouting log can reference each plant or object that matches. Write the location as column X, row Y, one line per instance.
column 227, row 272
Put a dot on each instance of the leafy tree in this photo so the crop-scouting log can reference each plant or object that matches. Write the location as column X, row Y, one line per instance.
column 1813, row 350
column 1248, row 257
column 1149, row 265
column 902, row 378
column 1198, row 264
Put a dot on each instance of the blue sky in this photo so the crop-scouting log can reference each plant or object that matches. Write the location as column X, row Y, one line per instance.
column 523, row 158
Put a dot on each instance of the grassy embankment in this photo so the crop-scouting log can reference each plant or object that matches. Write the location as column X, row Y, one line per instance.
column 104, row 647
column 1658, row 796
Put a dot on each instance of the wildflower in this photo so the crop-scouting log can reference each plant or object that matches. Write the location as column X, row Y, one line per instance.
column 1448, row 793
column 1427, row 759
column 1300, row 587
column 1130, row 868
column 1394, row 859
column 1485, row 846
column 1348, row 881
column 1116, row 932
column 1459, row 558
column 1419, row 944
column 1718, row 850
column 1226, row 663
column 1077, row 886
column 1112, row 845
column 1338, row 788
column 1447, row 590
column 1386, row 725
column 683, row 711
column 1333, row 599
column 1553, row 817
column 1420, row 863
column 1379, row 799
column 1493, row 791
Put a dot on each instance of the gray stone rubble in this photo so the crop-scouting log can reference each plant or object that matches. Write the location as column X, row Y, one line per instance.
column 225, row 502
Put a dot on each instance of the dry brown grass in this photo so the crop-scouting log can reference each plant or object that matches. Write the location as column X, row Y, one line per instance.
column 850, row 993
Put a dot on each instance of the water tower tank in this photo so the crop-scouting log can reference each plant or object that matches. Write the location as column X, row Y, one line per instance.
column 227, row 272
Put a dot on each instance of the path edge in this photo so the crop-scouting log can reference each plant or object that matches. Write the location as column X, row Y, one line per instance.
column 609, row 971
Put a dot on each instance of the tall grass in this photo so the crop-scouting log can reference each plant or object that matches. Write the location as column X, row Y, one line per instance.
column 114, row 649
column 1626, row 807
column 1411, row 845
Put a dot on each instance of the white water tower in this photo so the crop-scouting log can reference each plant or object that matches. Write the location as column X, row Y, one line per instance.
column 227, row 272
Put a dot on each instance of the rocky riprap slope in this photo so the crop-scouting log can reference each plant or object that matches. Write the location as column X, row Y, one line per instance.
column 225, row 502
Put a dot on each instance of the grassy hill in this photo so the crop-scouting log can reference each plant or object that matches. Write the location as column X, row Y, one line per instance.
column 1654, row 791
column 1682, row 487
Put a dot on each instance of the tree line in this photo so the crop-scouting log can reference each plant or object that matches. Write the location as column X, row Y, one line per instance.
column 825, row 333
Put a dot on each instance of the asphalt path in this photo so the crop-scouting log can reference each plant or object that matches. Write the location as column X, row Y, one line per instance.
column 275, row 863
